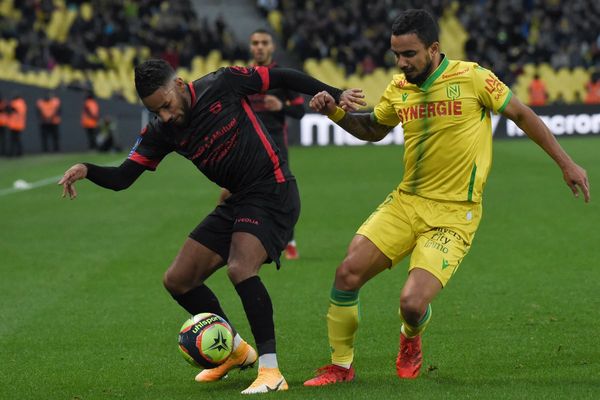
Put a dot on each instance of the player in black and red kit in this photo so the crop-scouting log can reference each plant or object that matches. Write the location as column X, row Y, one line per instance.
column 211, row 123
column 272, row 108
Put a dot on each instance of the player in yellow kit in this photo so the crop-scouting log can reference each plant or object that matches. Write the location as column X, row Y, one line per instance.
column 444, row 107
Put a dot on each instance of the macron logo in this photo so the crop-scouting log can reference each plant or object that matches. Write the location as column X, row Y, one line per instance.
column 244, row 220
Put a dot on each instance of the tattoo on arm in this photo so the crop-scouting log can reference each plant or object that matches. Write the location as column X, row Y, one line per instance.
column 363, row 127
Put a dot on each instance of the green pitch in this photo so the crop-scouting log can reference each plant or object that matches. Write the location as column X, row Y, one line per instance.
column 83, row 314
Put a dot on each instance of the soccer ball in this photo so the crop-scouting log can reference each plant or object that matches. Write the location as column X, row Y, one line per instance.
column 206, row 340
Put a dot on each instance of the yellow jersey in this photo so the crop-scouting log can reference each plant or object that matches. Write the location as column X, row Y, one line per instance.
column 447, row 128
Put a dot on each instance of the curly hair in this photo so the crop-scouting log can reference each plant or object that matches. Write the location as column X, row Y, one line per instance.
column 150, row 75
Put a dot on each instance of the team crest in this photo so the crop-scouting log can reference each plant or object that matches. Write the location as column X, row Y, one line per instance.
column 453, row 91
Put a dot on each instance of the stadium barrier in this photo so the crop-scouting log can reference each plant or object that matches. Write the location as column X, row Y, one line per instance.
column 563, row 121
column 312, row 130
column 72, row 136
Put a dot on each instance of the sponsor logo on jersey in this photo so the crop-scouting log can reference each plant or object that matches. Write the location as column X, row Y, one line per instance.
column 209, row 140
column 400, row 83
column 457, row 73
column 493, row 84
column 246, row 220
column 429, row 110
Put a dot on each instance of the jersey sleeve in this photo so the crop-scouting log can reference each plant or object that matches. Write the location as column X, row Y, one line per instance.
column 149, row 149
column 491, row 91
column 384, row 112
column 294, row 104
column 247, row 80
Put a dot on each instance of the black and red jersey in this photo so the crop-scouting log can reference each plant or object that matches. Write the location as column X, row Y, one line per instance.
column 293, row 105
column 225, row 139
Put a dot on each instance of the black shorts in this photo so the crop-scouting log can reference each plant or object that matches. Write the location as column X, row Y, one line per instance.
column 268, row 212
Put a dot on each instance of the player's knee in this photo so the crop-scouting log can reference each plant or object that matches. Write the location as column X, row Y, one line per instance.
column 346, row 278
column 412, row 307
column 238, row 272
column 173, row 283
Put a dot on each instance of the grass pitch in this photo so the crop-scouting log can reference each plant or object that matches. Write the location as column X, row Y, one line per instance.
column 84, row 316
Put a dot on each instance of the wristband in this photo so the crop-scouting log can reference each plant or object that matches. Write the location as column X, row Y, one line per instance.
column 337, row 115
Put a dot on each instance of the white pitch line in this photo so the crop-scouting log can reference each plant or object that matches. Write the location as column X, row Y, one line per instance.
column 44, row 182
column 33, row 185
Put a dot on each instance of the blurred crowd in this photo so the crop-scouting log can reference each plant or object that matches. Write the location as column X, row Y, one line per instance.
column 502, row 34
column 354, row 33
column 510, row 34
column 170, row 30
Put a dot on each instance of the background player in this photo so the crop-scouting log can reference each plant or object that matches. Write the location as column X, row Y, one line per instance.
column 272, row 108
column 210, row 122
column 444, row 107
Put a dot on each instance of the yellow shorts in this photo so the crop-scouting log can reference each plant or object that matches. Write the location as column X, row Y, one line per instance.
column 438, row 233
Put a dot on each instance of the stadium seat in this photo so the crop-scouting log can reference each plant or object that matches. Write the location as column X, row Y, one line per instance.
column 452, row 34
column 274, row 19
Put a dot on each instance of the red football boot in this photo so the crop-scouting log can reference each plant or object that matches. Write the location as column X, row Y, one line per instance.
column 410, row 357
column 331, row 374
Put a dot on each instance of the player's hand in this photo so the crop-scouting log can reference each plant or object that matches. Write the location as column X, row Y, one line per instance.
column 352, row 99
column 577, row 179
column 323, row 103
column 73, row 174
column 272, row 103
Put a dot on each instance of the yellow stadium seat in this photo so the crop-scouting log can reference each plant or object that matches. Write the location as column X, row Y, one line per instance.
column 581, row 75
column 144, row 52
column 311, row 65
column 87, row 12
column 6, row 7
column 183, row 73
column 529, row 69
column 213, row 58
column 274, row 19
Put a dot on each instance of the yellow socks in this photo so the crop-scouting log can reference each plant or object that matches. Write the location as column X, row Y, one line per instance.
column 410, row 331
column 342, row 323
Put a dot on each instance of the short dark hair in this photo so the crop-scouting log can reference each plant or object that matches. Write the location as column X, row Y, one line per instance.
column 150, row 75
column 419, row 22
column 263, row 31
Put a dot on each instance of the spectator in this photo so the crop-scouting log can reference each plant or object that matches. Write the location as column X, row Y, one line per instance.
column 90, row 115
column 503, row 34
column 107, row 135
column 3, row 125
column 538, row 96
column 49, row 111
column 17, row 119
column 593, row 90
column 149, row 23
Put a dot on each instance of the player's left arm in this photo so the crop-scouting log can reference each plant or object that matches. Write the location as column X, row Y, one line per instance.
column 575, row 176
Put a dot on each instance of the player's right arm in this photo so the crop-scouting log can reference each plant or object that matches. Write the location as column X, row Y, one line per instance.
column 361, row 125
column 146, row 154
column 115, row 178
column 245, row 81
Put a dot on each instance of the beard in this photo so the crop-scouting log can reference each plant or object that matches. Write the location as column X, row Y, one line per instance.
column 420, row 78
column 185, row 118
